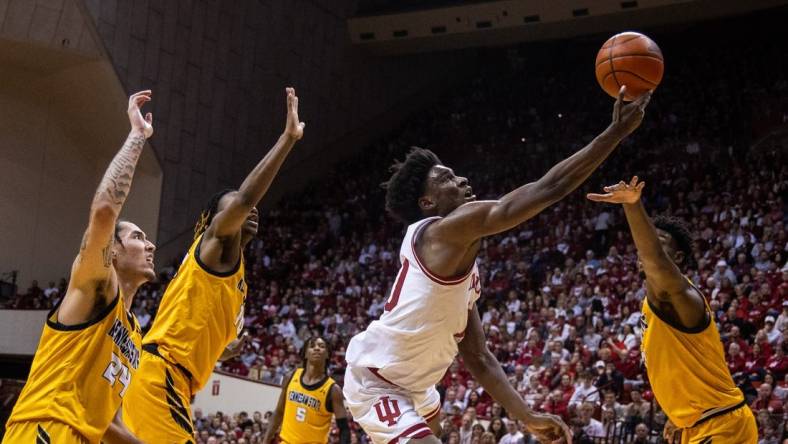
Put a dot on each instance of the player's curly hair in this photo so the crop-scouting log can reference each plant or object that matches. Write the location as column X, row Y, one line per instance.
column 407, row 183
column 308, row 343
column 210, row 210
column 681, row 234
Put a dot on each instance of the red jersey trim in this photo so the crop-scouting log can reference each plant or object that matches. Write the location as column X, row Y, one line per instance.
column 427, row 272
column 433, row 414
column 417, row 431
column 376, row 372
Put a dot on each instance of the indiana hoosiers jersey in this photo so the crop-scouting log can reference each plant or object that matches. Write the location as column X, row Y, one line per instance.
column 687, row 369
column 80, row 373
column 415, row 340
column 200, row 313
column 308, row 410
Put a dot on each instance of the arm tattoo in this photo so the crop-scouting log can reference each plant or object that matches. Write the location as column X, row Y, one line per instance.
column 106, row 253
column 117, row 180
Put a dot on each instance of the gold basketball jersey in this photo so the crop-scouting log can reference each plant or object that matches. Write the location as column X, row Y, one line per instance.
column 307, row 415
column 200, row 313
column 81, row 372
column 686, row 368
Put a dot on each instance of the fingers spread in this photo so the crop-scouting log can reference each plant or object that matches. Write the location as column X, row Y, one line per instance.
column 598, row 197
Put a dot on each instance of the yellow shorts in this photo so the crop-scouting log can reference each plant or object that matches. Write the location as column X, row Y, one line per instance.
column 156, row 407
column 736, row 427
column 42, row 432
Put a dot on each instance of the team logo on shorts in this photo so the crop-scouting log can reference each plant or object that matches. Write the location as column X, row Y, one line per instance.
column 388, row 410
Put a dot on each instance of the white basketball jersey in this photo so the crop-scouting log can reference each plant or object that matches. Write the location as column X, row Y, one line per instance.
column 415, row 340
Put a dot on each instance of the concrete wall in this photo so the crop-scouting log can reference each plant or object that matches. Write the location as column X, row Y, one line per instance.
column 218, row 71
column 232, row 394
column 62, row 119
column 20, row 331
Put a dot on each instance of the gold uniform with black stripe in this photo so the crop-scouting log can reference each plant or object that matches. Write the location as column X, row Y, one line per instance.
column 691, row 381
column 200, row 313
column 79, row 377
column 308, row 410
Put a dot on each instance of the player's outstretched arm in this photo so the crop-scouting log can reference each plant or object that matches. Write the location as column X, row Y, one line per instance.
column 228, row 222
column 475, row 220
column 666, row 283
column 276, row 419
column 486, row 369
column 92, row 274
column 117, row 433
column 340, row 414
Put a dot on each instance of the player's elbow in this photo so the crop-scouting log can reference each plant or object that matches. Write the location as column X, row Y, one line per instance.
column 478, row 361
column 104, row 213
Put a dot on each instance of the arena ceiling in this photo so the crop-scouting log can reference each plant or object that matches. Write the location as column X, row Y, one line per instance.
column 413, row 26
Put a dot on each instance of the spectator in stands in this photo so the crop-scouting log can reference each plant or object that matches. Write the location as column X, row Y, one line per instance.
column 591, row 427
column 513, row 434
column 642, row 435
column 766, row 400
column 584, row 391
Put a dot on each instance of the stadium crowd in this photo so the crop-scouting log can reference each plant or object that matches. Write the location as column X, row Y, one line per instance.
column 561, row 293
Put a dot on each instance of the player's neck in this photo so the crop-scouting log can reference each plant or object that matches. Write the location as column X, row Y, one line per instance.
column 128, row 289
column 314, row 372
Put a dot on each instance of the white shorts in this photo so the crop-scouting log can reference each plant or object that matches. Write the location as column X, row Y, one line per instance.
column 388, row 413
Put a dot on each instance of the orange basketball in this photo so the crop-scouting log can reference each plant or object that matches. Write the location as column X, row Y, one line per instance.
column 630, row 59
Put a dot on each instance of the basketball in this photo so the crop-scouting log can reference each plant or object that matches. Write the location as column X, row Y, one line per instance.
column 630, row 59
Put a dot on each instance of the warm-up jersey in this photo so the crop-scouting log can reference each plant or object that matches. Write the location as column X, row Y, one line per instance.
column 687, row 369
column 415, row 340
column 200, row 313
column 81, row 372
column 308, row 410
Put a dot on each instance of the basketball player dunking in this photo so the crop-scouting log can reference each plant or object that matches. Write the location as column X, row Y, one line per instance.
column 202, row 310
column 308, row 400
column 681, row 346
column 90, row 347
column 431, row 314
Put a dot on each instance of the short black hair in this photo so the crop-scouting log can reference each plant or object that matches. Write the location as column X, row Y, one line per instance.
column 210, row 210
column 681, row 234
column 407, row 184
column 311, row 341
column 117, row 231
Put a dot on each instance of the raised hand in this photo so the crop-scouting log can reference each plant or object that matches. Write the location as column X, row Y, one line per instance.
column 620, row 193
column 294, row 128
column 138, row 123
column 627, row 118
column 549, row 429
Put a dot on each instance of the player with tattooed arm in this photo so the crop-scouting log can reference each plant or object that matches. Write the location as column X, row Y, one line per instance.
column 90, row 346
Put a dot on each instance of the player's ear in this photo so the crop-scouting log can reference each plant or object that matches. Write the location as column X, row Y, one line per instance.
column 426, row 203
column 678, row 258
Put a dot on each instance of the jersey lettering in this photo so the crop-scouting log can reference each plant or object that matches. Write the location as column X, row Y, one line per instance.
column 306, row 400
column 300, row 414
column 388, row 410
column 122, row 338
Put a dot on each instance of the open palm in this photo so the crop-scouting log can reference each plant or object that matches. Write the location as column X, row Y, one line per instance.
column 620, row 193
column 294, row 127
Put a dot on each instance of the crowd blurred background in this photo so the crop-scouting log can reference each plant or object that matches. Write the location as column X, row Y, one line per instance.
column 561, row 293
